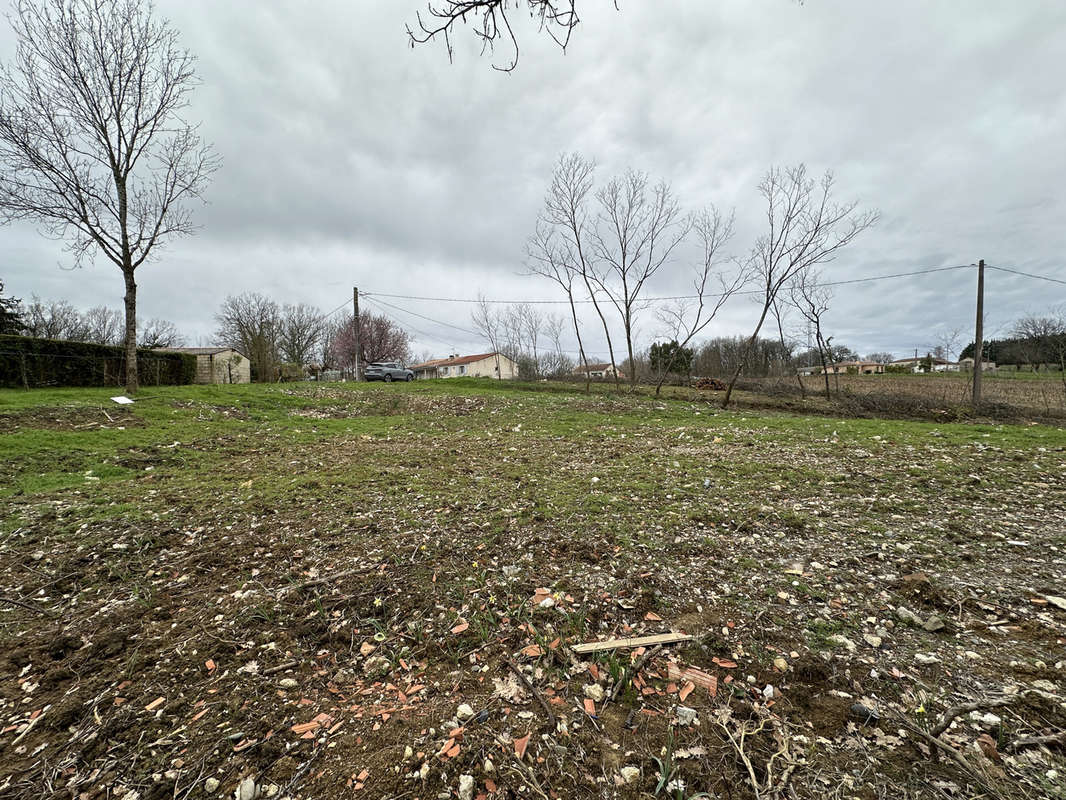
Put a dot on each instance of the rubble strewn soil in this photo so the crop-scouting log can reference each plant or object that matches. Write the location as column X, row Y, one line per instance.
column 346, row 591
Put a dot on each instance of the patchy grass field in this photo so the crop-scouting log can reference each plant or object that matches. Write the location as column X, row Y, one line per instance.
column 370, row 591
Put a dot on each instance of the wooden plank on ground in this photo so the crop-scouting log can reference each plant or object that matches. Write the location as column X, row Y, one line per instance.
column 638, row 641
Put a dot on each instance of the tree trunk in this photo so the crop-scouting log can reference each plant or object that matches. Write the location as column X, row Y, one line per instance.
column 629, row 349
column 792, row 361
column 580, row 345
column 130, row 339
column 825, row 372
column 744, row 357
column 606, row 330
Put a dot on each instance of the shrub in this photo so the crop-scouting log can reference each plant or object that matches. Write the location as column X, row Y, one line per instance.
column 32, row 363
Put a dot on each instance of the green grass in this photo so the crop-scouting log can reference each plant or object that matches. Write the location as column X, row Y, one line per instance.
column 213, row 425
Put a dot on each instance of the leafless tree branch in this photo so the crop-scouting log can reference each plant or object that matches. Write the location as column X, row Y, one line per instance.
column 93, row 146
column 805, row 227
column 490, row 23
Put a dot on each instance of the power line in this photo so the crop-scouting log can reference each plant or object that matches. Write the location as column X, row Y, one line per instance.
column 326, row 316
column 1027, row 274
column 375, row 304
column 378, row 303
column 925, row 271
column 423, row 316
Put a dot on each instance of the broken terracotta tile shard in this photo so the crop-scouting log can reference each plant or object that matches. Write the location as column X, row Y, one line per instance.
column 638, row 641
column 691, row 675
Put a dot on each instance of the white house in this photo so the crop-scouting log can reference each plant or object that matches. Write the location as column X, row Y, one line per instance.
column 935, row 364
column 483, row 365
column 598, row 371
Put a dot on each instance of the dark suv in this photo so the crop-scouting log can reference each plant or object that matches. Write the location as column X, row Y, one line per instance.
column 387, row 371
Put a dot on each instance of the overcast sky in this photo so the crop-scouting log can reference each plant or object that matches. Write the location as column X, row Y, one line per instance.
column 352, row 159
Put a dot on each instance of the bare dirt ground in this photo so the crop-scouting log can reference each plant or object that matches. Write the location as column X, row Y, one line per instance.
column 337, row 591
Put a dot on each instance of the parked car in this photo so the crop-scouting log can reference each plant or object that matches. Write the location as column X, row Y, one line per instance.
column 387, row 371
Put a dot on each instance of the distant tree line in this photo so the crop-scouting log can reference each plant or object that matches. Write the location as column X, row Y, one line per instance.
column 291, row 340
column 59, row 319
column 1035, row 341
column 720, row 356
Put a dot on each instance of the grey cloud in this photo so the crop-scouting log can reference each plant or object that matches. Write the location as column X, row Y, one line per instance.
column 352, row 159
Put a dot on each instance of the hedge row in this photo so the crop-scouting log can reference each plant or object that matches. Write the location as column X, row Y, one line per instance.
column 32, row 363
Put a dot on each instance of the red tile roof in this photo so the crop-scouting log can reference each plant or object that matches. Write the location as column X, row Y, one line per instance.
column 457, row 361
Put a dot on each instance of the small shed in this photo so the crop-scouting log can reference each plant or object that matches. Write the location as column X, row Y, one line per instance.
column 218, row 364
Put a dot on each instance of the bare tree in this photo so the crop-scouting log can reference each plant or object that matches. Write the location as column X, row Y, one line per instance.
column 532, row 324
column 161, row 333
column 330, row 329
column 1038, row 336
column 489, row 324
column 565, row 241
column 103, row 325
column 881, row 358
column 566, row 234
column 250, row 323
column 555, row 362
column 93, row 147
column 54, row 319
column 806, row 228
column 686, row 319
column 1057, row 342
column 491, row 23
column 511, row 334
column 639, row 226
column 549, row 255
column 301, row 329
column 947, row 343
column 808, row 295
column 788, row 346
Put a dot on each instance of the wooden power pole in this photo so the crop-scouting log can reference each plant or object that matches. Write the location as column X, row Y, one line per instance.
column 979, row 332
column 355, row 323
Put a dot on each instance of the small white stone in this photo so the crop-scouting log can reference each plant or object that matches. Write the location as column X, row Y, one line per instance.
column 466, row 787
column 989, row 720
column 630, row 774
column 594, row 691
column 211, row 785
column 246, row 789
column 842, row 641
column 686, row 716
column 464, row 712
column 288, row 683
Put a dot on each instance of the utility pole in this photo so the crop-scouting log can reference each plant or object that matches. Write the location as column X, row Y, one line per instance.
column 355, row 322
column 978, row 339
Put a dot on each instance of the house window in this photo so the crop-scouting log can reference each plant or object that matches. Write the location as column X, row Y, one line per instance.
column 444, row 371
column 462, row 370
